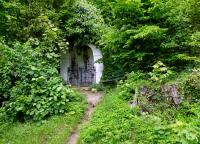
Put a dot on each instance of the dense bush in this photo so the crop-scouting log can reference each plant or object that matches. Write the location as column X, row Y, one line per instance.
column 142, row 32
column 81, row 23
column 171, row 126
column 30, row 87
column 35, row 33
column 192, row 87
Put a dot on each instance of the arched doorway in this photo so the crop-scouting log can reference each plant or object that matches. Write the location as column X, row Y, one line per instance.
column 79, row 67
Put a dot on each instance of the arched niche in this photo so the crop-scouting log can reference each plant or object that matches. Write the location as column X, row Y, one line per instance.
column 80, row 66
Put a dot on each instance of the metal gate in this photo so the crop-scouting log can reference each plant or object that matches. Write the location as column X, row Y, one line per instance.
column 79, row 76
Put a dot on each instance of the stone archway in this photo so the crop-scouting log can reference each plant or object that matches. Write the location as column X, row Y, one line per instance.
column 79, row 66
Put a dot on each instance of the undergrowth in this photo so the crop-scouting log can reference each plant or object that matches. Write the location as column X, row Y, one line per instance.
column 54, row 130
column 154, row 120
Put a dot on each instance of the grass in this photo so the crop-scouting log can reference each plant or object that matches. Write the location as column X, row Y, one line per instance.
column 114, row 122
column 55, row 130
column 110, row 122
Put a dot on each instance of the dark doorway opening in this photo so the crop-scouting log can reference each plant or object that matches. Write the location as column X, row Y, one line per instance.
column 81, row 72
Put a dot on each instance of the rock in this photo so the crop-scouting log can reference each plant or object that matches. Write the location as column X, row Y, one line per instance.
column 172, row 91
column 175, row 94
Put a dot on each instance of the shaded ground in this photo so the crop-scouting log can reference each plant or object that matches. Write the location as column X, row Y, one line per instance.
column 93, row 99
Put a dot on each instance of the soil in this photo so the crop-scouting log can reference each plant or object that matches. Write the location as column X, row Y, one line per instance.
column 93, row 99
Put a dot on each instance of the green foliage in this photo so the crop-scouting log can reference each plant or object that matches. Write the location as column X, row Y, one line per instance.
column 127, row 12
column 156, row 129
column 54, row 130
column 98, row 87
column 195, row 40
column 140, row 33
column 192, row 86
column 34, row 35
column 161, row 86
column 81, row 23
column 110, row 123
column 160, row 72
column 129, row 88
column 146, row 32
column 149, row 37
column 30, row 88
column 114, row 121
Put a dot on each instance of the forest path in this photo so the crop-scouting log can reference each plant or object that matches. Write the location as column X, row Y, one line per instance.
column 93, row 99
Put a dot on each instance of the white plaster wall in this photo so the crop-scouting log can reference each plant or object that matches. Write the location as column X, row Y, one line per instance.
column 65, row 63
column 98, row 66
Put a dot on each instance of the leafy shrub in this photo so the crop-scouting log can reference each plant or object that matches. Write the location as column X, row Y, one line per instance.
column 98, row 87
column 158, row 129
column 30, row 87
column 115, row 122
column 161, row 86
column 130, row 86
column 81, row 23
column 192, row 86
column 160, row 72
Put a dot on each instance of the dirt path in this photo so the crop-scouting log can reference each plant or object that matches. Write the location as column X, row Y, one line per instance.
column 93, row 99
